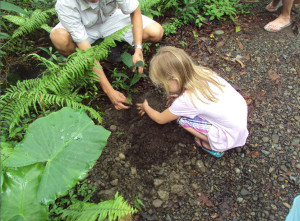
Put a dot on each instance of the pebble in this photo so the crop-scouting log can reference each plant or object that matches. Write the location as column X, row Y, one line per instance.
column 122, row 156
column 176, row 188
column 219, row 32
column 295, row 142
column 240, row 199
column 244, row 192
column 200, row 166
column 157, row 203
column 163, row 195
column 271, row 169
column 113, row 128
column 114, row 182
column 275, row 138
column 194, row 186
column 265, row 139
column 158, row 182
column 265, row 152
column 283, row 167
column 298, row 165
column 237, row 170
column 133, row 171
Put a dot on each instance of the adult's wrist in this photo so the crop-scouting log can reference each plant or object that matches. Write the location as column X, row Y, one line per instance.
column 137, row 46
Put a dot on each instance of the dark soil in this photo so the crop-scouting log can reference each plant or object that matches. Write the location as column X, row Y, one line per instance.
column 158, row 164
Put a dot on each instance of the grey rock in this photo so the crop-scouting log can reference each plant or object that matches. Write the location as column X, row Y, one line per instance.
column 163, row 195
column 157, row 203
column 107, row 194
column 200, row 166
column 113, row 128
column 245, row 192
column 176, row 188
column 275, row 138
column 219, row 32
column 114, row 182
column 122, row 156
column 158, row 182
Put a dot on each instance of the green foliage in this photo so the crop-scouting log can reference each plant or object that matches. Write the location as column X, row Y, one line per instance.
column 218, row 9
column 73, row 145
column 56, row 87
column 81, row 192
column 121, row 80
column 29, row 23
column 111, row 209
column 171, row 27
column 11, row 7
column 58, row 150
column 147, row 7
column 19, row 194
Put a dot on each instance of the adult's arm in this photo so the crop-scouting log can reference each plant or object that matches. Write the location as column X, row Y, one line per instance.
column 137, row 30
column 117, row 98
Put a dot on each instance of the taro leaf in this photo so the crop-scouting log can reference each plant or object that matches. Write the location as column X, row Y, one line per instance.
column 68, row 143
column 19, row 194
column 6, row 150
column 139, row 64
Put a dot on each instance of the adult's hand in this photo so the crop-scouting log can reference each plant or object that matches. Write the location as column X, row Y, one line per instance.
column 138, row 56
column 118, row 99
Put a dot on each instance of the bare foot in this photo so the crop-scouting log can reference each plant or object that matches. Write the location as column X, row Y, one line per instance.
column 278, row 24
column 273, row 8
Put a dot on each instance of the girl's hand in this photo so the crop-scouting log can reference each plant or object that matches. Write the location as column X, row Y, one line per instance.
column 141, row 107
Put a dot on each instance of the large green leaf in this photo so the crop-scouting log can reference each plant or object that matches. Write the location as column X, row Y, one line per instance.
column 68, row 142
column 19, row 194
column 11, row 7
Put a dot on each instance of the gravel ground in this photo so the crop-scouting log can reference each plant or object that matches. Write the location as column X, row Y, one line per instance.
column 258, row 181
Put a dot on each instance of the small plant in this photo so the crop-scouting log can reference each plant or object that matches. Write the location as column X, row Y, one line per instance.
column 54, row 56
column 171, row 27
column 199, row 21
column 120, row 79
column 183, row 43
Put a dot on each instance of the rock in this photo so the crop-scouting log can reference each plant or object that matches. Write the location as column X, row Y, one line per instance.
column 265, row 139
column 158, row 182
column 237, row 170
column 133, row 171
column 219, row 32
column 275, row 138
column 265, row 152
column 113, row 128
column 194, row 186
column 122, row 156
column 114, row 182
column 107, row 194
column 157, row 203
column 283, row 167
column 298, row 165
column 271, row 169
column 163, row 195
column 240, row 199
column 200, row 166
column 176, row 188
column 295, row 142
column 245, row 192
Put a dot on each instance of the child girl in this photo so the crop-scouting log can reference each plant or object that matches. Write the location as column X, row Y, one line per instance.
column 204, row 104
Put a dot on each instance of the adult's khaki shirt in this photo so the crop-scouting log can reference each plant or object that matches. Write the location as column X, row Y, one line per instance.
column 78, row 15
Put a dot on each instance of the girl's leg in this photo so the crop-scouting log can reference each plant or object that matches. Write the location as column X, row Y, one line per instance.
column 199, row 128
column 201, row 139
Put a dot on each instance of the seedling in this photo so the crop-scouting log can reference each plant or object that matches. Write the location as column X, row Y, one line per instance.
column 120, row 79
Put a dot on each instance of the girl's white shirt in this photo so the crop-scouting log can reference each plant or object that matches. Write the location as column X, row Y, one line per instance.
column 228, row 115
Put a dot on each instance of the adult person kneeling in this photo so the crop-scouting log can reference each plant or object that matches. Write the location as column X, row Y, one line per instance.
column 82, row 22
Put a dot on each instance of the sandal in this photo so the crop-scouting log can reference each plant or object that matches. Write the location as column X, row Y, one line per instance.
column 214, row 153
column 278, row 27
column 271, row 8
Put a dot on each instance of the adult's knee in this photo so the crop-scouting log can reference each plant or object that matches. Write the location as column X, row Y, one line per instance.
column 154, row 32
column 62, row 41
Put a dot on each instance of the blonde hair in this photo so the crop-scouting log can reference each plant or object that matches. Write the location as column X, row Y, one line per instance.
column 174, row 63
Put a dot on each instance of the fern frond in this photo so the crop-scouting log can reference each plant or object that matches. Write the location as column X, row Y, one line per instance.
column 36, row 20
column 55, row 88
column 111, row 209
column 18, row 20
column 46, row 27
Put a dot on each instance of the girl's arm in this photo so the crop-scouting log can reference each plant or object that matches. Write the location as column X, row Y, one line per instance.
column 160, row 118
